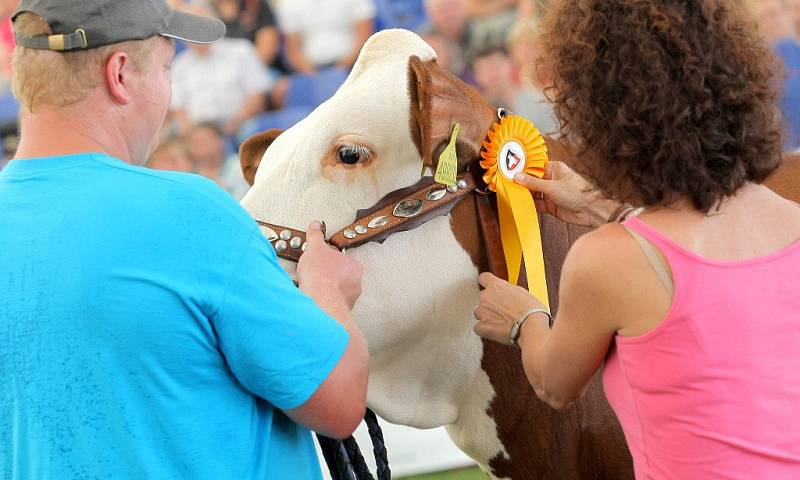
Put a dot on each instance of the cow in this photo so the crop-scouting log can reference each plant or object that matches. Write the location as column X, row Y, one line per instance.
column 390, row 119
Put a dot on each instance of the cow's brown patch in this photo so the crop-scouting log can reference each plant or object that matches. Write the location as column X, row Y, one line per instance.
column 786, row 181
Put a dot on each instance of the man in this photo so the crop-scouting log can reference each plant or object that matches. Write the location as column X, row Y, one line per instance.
column 325, row 34
column 146, row 329
column 224, row 83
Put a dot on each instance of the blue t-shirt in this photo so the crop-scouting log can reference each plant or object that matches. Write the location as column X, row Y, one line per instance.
column 147, row 330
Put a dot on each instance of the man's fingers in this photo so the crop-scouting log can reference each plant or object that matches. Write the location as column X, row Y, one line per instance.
column 314, row 235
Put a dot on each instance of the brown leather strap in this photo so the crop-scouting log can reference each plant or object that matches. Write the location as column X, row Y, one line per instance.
column 406, row 214
column 399, row 211
column 489, row 224
column 288, row 243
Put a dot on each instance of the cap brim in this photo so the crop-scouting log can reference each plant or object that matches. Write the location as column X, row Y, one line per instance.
column 194, row 28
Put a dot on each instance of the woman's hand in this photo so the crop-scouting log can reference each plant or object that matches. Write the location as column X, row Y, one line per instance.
column 501, row 305
column 567, row 196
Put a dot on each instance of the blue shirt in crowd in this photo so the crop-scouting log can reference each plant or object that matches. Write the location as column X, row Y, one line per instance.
column 147, row 330
column 789, row 53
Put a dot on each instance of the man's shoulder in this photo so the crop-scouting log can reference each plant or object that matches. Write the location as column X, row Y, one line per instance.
column 184, row 194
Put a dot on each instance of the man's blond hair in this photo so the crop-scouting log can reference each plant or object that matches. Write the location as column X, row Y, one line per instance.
column 46, row 78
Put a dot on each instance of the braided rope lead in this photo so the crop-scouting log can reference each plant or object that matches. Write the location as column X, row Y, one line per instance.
column 378, row 446
column 336, row 458
column 357, row 459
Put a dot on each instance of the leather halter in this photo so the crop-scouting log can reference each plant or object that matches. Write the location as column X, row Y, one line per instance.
column 399, row 211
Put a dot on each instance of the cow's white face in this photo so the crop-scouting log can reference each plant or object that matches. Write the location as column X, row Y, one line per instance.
column 419, row 286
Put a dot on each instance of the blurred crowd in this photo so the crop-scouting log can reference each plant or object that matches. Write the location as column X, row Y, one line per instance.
column 282, row 58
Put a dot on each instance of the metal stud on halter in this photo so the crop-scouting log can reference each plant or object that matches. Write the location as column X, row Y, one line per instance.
column 436, row 194
column 408, row 209
column 452, row 188
column 462, row 184
column 281, row 246
column 378, row 222
column 296, row 243
column 360, row 229
column 349, row 234
column 286, row 235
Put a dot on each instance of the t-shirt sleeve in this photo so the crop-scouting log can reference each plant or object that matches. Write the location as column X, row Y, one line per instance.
column 277, row 342
column 362, row 10
column 253, row 76
column 290, row 17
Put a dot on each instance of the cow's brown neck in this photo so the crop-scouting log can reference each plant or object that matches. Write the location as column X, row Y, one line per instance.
column 582, row 443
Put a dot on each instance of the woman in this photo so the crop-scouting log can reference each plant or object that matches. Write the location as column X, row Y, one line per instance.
column 693, row 307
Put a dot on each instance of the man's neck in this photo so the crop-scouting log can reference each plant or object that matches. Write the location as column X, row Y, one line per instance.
column 52, row 131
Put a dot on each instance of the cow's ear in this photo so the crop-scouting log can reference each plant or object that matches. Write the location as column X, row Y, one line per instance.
column 252, row 151
column 439, row 100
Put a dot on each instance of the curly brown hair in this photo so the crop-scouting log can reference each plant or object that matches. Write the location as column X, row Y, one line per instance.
column 665, row 99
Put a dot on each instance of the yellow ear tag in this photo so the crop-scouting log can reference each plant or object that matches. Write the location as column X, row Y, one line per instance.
column 447, row 170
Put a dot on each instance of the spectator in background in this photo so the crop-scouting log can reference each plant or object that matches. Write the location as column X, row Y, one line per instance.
column 207, row 148
column 322, row 34
column 491, row 21
column 7, row 8
column 171, row 155
column 251, row 20
column 498, row 82
column 444, row 53
column 778, row 29
column 793, row 7
column 532, row 77
column 447, row 20
column 224, row 83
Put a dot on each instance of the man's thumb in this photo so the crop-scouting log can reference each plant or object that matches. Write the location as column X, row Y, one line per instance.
column 315, row 232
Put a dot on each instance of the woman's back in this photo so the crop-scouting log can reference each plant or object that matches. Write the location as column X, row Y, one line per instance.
column 708, row 388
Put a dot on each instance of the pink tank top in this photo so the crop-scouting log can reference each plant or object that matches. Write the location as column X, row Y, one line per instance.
column 713, row 392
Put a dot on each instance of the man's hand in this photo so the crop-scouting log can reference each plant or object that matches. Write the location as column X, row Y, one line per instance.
column 322, row 267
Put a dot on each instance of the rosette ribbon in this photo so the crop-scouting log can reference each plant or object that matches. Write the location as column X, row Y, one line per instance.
column 514, row 145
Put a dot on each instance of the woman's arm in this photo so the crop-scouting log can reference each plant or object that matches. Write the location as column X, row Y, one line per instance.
column 559, row 363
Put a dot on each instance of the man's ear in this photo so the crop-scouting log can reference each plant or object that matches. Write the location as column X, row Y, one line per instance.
column 252, row 151
column 439, row 100
column 118, row 70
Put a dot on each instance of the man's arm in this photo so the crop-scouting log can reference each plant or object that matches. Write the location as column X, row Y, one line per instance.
column 334, row 282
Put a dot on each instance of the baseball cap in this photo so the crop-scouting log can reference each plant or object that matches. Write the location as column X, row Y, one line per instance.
column 86, row 24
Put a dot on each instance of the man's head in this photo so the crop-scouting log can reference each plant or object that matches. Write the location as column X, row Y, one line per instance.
column 117, row 52
column 207, row 148
column 773, row 22
column 448, row 17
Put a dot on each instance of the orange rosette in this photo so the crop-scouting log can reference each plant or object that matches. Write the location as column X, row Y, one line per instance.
column 515, row 145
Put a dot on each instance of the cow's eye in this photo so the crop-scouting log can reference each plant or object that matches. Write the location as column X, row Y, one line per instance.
column 353, row 154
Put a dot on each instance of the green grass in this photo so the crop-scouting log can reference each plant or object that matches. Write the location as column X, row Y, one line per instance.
column 464, row 474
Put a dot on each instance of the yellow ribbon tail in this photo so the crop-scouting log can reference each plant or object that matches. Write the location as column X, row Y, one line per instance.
column 521, row 236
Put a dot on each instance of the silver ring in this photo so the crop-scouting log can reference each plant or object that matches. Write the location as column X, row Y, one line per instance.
column 474, row 315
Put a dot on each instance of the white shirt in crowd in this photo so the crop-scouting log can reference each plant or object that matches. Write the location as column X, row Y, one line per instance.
column 326, row 26
column 213, row 87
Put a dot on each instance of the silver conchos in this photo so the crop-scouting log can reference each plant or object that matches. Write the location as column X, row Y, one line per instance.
column 280, row 246
column 452, row 188
column 304, row 247
column 296, row 243
column 349, row 234
column 462, row 184
column 378, row 222
column 436, row 194
column 268, row 233
column 286, row 235
column 361, row 229
column 408, row 209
